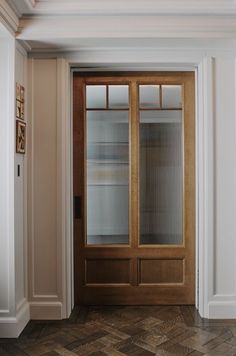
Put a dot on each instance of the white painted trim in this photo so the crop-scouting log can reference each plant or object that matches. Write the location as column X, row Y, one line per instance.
column 206, row 184
column 222, row 309
column 45, row 296
column 44, row 28
column 10, row 184
column 8, row 17
column 30, row 180
column 127, row 6
column 30, row 3
column 22, row 6
column 25, row 187
column 64, row 218
column 11, row 327
column 46, row 310
column 64, row 184
column 21, row 49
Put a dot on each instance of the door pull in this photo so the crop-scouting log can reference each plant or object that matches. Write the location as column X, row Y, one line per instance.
column 77, row 207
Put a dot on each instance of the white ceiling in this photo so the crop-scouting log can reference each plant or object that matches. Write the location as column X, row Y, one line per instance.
column 59, row 25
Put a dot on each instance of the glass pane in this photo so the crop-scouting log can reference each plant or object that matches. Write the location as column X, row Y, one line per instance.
column 107, row 177
column 118, row 96
column 171, row 96
column 149, row 96
column 95, row 96
column 161, row 177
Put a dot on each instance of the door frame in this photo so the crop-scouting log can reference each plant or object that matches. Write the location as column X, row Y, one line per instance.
column 204, row 156
column 135, row 288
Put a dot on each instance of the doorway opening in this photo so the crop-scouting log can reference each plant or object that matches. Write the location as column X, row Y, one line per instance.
column 134, row 188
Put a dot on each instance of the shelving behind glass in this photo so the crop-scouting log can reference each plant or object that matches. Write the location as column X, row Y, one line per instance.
column 107, row 160
column 161, row 165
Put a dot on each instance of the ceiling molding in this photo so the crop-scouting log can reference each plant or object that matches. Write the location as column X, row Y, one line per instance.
column 30, row 3
column 22, row 6
column 46, row 22
column 95, row 7
column 145, row 26
column 146, row 45
column 8, row 17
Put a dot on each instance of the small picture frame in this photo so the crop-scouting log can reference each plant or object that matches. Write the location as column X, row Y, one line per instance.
column 22, row 110
column 20, row 101
column 18, row 92
column 20, row 136
column 18, row 109
column 22, row 94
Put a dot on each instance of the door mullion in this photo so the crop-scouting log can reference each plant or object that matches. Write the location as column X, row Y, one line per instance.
column 134, row 166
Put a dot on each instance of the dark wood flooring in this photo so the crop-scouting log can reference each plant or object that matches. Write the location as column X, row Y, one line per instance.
column 152, row 330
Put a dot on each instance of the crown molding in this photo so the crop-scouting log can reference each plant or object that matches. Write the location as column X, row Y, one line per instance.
column 22, row 6
column 187, row 7
column 8, row 17
column 94, row 7
column 44, row 28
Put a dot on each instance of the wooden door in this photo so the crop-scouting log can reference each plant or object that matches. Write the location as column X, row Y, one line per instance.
column 134, row 188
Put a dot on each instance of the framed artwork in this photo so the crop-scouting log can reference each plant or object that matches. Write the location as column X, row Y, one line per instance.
column 22, row 110
column 20, row 100
column 22, row 94
column 20, row 136
column 18, row 92
column 18, row 109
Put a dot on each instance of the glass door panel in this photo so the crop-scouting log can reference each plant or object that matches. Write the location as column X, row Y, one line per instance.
column 107, row 160
column 161, row 173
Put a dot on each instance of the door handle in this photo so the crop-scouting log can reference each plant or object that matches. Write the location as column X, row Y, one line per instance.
column 77, row 207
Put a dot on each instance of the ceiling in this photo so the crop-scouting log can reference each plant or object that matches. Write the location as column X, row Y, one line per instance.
column 57, row 25
column 83, row 7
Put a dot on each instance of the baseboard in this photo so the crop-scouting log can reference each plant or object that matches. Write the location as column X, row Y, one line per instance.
column 222, row 310
column 45, row 310
column 11, row 327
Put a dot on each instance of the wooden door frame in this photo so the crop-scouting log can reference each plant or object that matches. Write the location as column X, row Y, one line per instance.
column 135, row 78
column 203, row 67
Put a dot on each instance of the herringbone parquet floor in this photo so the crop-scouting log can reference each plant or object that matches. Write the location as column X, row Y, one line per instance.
column 152, row 330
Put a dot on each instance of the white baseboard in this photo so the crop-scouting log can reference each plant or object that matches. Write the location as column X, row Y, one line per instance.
column 45, row 310
column 11, row 327
column 222, row 310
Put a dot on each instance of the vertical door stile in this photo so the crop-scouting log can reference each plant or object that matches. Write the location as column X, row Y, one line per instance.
column 84, row 133
column 134, row 177
column 79, row 179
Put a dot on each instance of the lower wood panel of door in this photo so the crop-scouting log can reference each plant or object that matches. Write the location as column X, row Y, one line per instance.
column 135, row 295
column 136, row 281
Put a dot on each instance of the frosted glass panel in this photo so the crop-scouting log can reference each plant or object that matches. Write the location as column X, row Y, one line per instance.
column 107, row 177
column 149, row 96
column 96, row 96
column 118, row 96
column 171, row 96
column 161, row 177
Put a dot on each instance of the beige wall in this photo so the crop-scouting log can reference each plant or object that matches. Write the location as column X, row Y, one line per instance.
column 45, row 287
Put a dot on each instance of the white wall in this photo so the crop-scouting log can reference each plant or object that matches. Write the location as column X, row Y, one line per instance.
column 5, row 191
column 21, row 194
column 225, row 174
column 222, row 302
column 14, row 313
